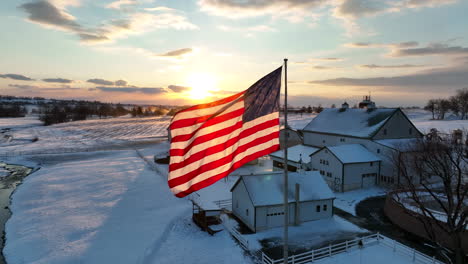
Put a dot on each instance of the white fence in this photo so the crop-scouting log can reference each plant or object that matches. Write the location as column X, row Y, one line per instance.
column 316, row 254
column 224, row 204
column 244, row 243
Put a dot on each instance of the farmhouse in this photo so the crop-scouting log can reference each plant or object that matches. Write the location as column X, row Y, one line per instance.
column 376, row 134
column 379, row 130
column 257, row 200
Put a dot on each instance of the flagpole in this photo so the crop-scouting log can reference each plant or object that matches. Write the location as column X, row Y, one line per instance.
column 285, row 167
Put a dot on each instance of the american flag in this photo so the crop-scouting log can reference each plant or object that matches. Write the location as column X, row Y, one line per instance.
column 209, row 141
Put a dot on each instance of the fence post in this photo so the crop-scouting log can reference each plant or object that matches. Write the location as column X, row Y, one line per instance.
column 414, row 255
column 293, row 259
column 394, row 245
column 313, row 257
column 263, row 257
column 378, row 237
column 433, row 259
column 329, row 250
column 346, row 246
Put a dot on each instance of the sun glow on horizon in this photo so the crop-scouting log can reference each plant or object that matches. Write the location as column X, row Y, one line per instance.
column 202, row 85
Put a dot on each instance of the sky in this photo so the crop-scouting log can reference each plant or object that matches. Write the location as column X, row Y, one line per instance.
column 180, row 52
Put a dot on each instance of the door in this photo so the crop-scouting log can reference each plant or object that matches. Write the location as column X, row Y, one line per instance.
column 275, row 216
column 368, row 180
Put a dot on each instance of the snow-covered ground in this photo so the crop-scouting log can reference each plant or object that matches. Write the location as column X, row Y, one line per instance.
column 22, row 122
column 377, row 253
column 82, row 135
column 113, row 207
column 107, row 208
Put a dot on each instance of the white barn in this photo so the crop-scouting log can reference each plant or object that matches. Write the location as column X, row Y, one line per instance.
column 347, row 167
column 379, row 130
column 257, row 200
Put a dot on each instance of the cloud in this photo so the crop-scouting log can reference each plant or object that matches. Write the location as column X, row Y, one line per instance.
column 428, row 80
column 48, row 15
column 176, row 54
column 161, row 8
column 258, row 28
column 178, row 89
column 328, row 59
column 131, row 90
column 118, row 4
column 35, row 87
column 359, row 8
column 57, row 80
column 406, row 44
column 293, row 10
column 431, row 49
column 321, row 67
column 374, row 66
column 121, row 83
column 13, row 76
column 23, row 87
column 100, row 81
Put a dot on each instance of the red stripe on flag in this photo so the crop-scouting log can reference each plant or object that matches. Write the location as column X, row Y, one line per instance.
column 219, row 147
column 206, row 138
column 215, row 103
column 205, row 183
column 222, row 161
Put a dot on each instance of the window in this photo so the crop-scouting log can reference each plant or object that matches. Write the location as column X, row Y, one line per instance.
column 321, row 161
column 342, row 140
column 317, row 209
column 247, row 212
column 324, row 207
column 372, row 164
column 378, row 150
column 323, row 141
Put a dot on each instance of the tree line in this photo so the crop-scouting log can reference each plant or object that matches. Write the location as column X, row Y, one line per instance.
column 457, row 103
column 12, row 110
column 51, row 114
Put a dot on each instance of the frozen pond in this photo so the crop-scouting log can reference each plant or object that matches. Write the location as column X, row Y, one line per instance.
column 10, row 177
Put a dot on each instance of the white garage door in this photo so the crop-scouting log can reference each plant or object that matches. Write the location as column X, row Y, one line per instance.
column 275, row 216
column 368, row 180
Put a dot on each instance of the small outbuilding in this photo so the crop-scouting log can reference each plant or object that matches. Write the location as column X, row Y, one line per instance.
column 347, row 167
column 298, row 158
column 257, row 200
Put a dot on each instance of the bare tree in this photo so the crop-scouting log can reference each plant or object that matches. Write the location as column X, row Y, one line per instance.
column 434, row 186
column 431, row 106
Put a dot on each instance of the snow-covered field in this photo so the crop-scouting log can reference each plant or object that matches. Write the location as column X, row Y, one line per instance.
column 107, row 208
column 82, row 135
column 114, row 206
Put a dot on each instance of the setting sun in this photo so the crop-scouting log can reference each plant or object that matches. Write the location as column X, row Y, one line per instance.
column 202, row 84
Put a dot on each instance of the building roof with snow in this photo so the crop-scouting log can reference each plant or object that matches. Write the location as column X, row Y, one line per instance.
column 353, row 153
column 362, row 123
column 295, row 153
column 267, row 189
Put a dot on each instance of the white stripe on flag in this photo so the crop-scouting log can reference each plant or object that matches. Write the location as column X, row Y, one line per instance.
column 200, row 112
column 195, row 165
column 225, row 167
column 189, row 129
